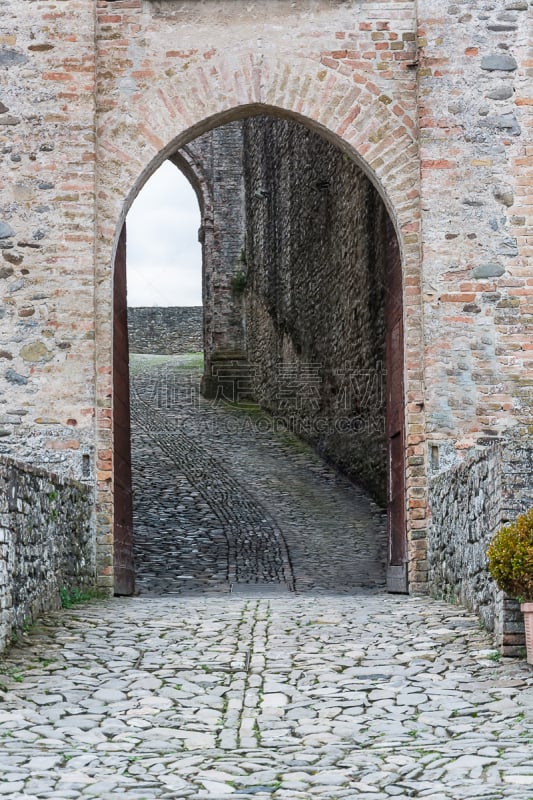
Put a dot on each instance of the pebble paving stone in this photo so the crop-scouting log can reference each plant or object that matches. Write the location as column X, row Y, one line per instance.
column 252, row 507
column 314, row 694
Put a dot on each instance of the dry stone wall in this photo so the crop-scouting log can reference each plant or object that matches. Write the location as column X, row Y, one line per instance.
column 469, row 502
column 465, row 514
column 46, row 543
column 166, row 331
column 517, row 477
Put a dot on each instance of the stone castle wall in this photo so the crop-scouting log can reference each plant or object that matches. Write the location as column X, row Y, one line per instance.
column 475, row 157
column 314, row 294
column 47, row 234
column 46, row 543
column 167, row 331
column 432, row 100
column 475, row 129
column 214, row 164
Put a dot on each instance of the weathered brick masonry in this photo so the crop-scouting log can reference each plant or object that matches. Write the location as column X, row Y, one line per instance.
column 432, row 101
column 47, row 214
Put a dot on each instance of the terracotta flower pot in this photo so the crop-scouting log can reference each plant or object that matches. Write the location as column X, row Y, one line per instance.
column 527, row 610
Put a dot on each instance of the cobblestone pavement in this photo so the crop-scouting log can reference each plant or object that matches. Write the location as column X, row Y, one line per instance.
column 220, row 499
column 307, row 695
column 289, row 697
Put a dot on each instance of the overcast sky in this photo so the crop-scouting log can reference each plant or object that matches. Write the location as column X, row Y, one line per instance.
column 164, row 256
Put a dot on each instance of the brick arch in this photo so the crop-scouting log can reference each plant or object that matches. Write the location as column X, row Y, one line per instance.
column 377, row 131
column 189, row 166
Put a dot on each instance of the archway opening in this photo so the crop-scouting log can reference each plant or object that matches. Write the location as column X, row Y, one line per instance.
column 158, row 317
column 303, row 322
column 165, row 336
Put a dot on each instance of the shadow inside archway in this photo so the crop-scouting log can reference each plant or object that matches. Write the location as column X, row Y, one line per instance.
column 282, row 471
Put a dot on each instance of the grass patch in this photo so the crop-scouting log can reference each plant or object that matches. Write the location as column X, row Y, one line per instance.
column 248, row 407
column 139, row 362
column 74, row 596
column 12, row 673
column 495, row 656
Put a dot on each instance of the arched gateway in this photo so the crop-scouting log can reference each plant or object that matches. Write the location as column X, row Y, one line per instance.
column 182, row 93
column 193, row 94
column 394, row 322
column 435, row 110
column 333, row 201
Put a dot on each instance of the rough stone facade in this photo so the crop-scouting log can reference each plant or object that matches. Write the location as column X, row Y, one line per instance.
column 466, row 512
column 213, row 163
column 432, row 101
column 46, row 543
column 313, row 295
column 168, row 331
column 469, row 502
column 517, row 472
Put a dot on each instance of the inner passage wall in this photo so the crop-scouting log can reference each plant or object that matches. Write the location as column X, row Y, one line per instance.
column 313, row 292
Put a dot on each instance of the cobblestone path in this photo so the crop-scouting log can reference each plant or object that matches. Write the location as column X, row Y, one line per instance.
column 290, row 697
column 334, row 691
column 221, row 499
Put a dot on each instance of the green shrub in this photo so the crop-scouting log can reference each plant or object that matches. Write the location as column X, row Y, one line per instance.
column 511, row 557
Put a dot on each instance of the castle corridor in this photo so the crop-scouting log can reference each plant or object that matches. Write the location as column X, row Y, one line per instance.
column 302, row 322
column 228, row 499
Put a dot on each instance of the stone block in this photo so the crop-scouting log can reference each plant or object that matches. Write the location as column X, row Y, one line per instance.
column 499, row 62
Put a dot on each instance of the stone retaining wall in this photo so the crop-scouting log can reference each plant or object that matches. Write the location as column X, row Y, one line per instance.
column 467, row 510
column 517, row 478
column 46, row 543
column 167, row 331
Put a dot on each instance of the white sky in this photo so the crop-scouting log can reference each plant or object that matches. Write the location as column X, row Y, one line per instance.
column 164, row 257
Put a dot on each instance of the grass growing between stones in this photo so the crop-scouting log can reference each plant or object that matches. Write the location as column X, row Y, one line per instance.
column 266, row 422
column 248, row 407
column 74, row 596
column 495, row 656
column 12, row 674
